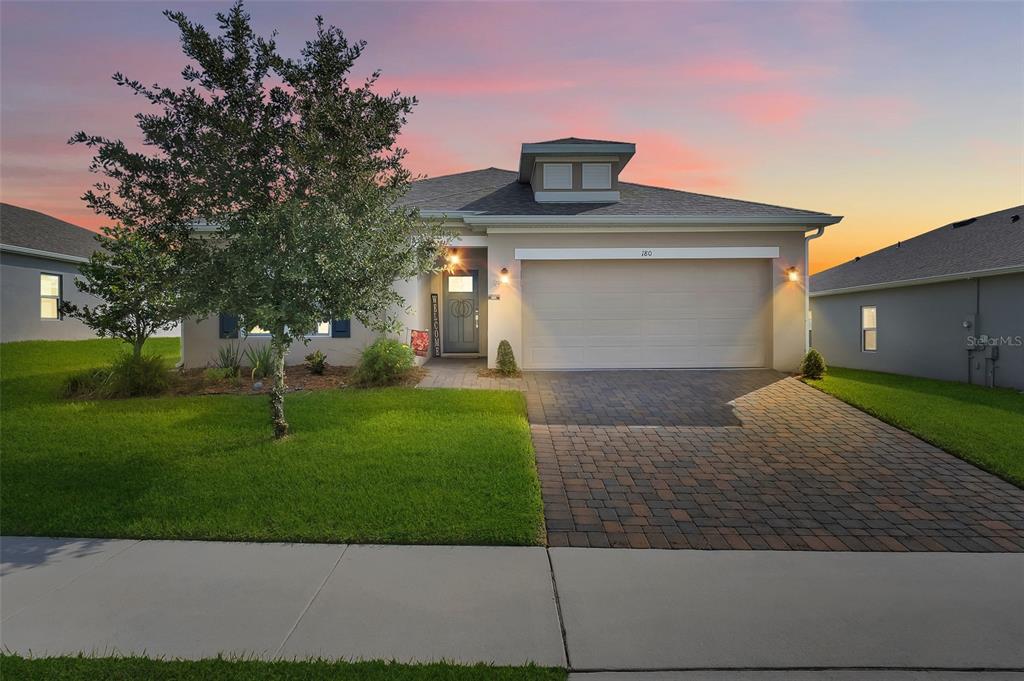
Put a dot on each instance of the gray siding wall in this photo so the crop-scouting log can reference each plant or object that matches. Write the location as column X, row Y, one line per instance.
column 920, row 328
column 19, row 282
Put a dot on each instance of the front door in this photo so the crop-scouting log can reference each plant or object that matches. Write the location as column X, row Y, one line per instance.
column 461, row 313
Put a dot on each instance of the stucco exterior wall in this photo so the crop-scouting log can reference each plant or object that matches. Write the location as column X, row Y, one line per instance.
column 19, row 282
column 201, row 337
column 920, row 328
column 786, row 342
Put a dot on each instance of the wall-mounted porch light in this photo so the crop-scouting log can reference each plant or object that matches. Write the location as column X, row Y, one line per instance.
column 453, row 257
column 503, row 275
column 792, row 274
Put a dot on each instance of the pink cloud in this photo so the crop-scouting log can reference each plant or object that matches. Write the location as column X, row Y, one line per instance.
column 780, row 109
column 730, row 70
column 480, row 83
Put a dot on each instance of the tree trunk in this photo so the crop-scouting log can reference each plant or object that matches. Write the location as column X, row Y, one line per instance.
column 277, row 392
column 137, row 347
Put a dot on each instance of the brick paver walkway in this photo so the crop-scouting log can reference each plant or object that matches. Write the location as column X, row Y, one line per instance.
column 749, row 460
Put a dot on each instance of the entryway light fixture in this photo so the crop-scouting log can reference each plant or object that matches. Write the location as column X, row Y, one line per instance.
column 453, row 257
column 792, row 274
column 504, row 276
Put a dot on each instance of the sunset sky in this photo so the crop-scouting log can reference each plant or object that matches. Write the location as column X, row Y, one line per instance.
column 901, row 117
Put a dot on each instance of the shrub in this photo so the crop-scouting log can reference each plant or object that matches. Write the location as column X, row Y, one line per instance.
column 85, row 384
column 259, row 359
column 385, row 362
column 132, row 376
column 229, row 359
column 219, row 374
column 316, row 362
column 813, row 365
column 506, row 363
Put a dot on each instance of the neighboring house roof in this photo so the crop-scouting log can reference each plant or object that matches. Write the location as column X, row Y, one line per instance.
column 34, row 233
column 24, row 230
column 493, row 191
column 988, row 244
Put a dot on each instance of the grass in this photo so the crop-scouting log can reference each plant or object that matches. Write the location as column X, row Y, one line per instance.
column 131, row 668
column 982, row 425
column 391, row 465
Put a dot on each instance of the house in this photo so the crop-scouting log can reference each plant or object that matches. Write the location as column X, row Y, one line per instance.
column 579, row 270
column 948, row 304
column 39, row 259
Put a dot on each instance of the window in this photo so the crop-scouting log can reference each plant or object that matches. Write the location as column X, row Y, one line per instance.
column 557, row 176
column 597, row 175
column 868, row 329
column 460, row 284
column 322, row 329
column 49, row 295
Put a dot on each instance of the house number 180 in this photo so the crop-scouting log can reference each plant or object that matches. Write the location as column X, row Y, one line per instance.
column 644, row 253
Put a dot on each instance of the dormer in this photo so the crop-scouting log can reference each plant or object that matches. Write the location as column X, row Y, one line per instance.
column 573, row 170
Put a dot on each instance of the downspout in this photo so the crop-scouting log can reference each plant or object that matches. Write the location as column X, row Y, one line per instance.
column 807, row 286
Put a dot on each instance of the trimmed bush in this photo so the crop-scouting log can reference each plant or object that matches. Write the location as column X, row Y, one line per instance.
column 506, row 361
column 385, row 362
column 316, row 362
column 813, row 365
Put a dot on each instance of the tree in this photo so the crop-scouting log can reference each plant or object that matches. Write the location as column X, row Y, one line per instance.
column 298, row 169
column 135, row 277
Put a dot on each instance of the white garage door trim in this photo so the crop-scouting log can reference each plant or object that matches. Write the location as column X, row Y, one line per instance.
column 692, row 253
column 620, row 314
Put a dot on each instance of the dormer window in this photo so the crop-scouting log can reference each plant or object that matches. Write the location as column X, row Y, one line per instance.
column 597, row 175
column 557, row 176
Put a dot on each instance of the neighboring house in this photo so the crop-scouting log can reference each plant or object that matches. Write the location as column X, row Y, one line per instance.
column 578, row 270
column 39, row 259
column 947, row 304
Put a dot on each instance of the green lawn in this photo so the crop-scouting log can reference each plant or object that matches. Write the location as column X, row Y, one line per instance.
column 393, row 465
column 982, row 425
column 18, row 668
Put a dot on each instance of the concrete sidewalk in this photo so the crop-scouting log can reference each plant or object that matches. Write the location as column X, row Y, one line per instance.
column 621, row 609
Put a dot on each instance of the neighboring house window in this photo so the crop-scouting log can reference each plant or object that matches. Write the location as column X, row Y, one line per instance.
column 868, row 328
column 597, row 175
column 557, row 176
column 49, row 295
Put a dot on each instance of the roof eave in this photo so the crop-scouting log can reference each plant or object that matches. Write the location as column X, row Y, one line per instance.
column 800, row 221
column 920, row 281
column 37, row 253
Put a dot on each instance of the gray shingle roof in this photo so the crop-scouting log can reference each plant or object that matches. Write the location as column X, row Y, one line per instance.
column 31, row 229
column 493, row 191
column 987, row 242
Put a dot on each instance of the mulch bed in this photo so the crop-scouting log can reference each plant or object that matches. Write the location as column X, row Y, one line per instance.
column 494, row 373
column 196, row 382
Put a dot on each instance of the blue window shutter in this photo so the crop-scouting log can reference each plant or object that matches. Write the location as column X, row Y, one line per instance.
column 228, row 326
column 341, row 328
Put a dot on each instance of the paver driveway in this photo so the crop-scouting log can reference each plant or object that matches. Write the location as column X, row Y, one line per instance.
column 748, row 460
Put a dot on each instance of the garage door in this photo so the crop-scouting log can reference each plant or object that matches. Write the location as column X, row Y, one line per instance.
column 591, row 314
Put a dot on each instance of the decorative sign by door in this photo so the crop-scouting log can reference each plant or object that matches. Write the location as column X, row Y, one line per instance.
column 420, row 342
column 435, row 325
